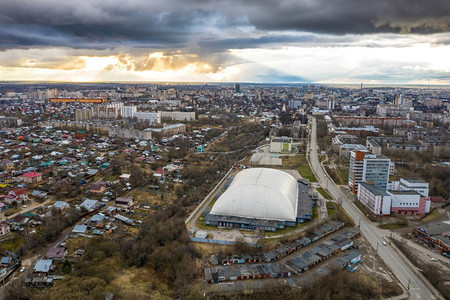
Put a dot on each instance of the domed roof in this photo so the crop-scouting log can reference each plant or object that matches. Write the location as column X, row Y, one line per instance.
column 260, row 193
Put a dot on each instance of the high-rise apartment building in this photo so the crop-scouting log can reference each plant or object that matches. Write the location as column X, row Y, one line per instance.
column 368, row 167
column 129, row 111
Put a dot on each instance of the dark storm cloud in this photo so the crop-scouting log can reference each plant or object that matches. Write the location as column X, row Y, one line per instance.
column 214, row 24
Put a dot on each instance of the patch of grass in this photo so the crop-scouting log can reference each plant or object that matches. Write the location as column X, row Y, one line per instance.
column 394, row 177
column 286, row 229
column 211, row 203
column 364, row 210
column 391, row 226
column 433, row 215
column 345, row 218
column 200, row 223
column 305, row 170
column 291, row 162
column 324, row 193
column 315, row 212
column 322, row 157
column 11, row 211
column 331, row 208
column 11, row 244
column 111, row 178
column 343, row 174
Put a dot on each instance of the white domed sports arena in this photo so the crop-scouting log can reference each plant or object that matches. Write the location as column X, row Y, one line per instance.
column 262, row 198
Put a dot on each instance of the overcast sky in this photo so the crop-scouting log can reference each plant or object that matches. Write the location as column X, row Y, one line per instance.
column 339, row 41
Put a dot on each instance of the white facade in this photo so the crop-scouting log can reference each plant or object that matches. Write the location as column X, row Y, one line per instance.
column 376, row 200
column 129, row 111
column 129, row 133
column 151, row 117
column 409, row 202
column 260, row 193
column 405, row 199
column 280, row 144
column 415, row 184
column 178, row 115
column 368, row 167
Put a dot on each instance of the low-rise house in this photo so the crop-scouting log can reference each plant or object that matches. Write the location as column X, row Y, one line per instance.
column 89, row 204
column 4, row 229
column 18, row 195
column 79, row 229
column 96, row 188
column 6, row 261
column 6, row 164
column 39, row 194
column 61, row 205
column 125, row 202
column 20, row 220
column 32, row 177
column 43, row 266
column 56, row 253
column 125, row 177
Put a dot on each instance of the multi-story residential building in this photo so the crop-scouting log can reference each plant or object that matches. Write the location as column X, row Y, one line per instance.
column 372, row 168
column 377, row 200
column 346, row 149
column 373, row 146
column 107, row 111
column 178, row 115
column 151, row 117
column 129, row 111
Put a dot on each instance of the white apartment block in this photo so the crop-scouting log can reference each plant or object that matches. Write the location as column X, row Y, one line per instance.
column 128, row 111
column 151, row 117
column 178, row 115
column 377, row 200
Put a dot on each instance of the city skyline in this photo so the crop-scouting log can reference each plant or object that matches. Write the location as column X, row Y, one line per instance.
column 344, row 42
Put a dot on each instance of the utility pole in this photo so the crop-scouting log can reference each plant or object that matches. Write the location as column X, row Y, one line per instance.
column 359, row 224
column 409, row 280
column 377, row 246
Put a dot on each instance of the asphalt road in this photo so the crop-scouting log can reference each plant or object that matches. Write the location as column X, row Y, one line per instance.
column 375, row 236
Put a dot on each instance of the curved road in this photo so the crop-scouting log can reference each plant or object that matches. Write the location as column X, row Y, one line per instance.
column 419, row 289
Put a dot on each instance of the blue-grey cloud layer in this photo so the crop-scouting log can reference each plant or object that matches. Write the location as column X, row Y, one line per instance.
column 211, row 24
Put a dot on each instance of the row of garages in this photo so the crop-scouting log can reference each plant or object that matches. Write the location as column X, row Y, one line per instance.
column 321, row 252
column 282, row 251
column 244, row 272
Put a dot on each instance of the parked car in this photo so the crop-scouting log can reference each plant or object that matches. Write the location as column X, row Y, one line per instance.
column 384, row 243
column 433, row 259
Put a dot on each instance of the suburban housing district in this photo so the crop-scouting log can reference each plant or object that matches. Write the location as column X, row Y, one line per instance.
column 122, row 191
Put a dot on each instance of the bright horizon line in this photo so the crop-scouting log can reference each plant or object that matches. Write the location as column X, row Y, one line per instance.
column 381, row 84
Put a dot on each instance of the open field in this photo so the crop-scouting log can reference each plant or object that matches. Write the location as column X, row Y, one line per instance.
column 300, row 163
column 324, row 193
column 435, row 214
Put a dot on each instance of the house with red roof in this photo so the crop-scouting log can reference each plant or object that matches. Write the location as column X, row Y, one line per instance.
column 32, row 177
column 19, row 195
